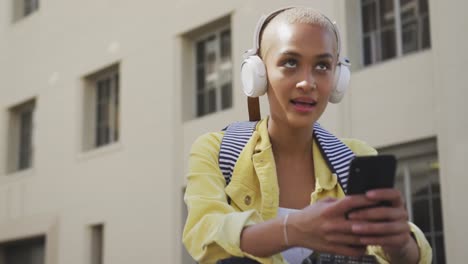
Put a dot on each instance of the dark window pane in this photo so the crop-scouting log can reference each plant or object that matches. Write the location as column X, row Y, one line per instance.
column 408, row 10
column 410, row 36
column 200, row 104
column 116, row 89
column 421, row 214
column 226, row 45
column 225, row 76
column 108, row 89
column 30, row 251
column 423, row 7
column 226, row 96
column 210, row 57
column 102, row 136
column 404, row 2
column 426, row 32
column 103, row 114
column 437, row 210
column 97, row 234
column 116, row 107
column 29, row 6
column 440, row 249
column 200, row 53
column 211, row 100
column 387, row 17
column 25, row 140
column 388, row 44
column 99, row 137
column 200, row 78
column 369, row 21
column 367, row 50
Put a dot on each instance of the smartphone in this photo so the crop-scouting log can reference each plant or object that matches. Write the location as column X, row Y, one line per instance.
column 371, row 172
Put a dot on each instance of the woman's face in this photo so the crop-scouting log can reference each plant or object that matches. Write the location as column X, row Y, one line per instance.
column 300, row 60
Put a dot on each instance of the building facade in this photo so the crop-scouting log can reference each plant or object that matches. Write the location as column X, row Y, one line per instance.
column 101, row 101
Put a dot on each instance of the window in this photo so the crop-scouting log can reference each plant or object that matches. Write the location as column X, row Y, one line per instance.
column 393, row 28
column 213, row 72
column 20, row 137
column 418, row 180
column 97, row 242
column 102, row 108
column 30, row 6
column 25, row 251
column 23, row 8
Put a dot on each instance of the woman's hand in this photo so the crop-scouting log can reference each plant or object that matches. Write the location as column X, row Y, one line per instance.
column 323, row 226
column 386, row 226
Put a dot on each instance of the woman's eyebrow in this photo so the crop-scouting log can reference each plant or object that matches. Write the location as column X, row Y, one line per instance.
column 298, row 55
column 325, row 56
column 290, row 53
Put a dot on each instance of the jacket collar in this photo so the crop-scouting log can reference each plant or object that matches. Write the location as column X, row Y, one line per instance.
column 334, row 153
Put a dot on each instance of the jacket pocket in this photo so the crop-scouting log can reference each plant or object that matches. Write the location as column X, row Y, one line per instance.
column 241, row 196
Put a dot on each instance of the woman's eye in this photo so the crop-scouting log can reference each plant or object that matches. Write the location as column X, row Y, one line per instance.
column 291, row 63
column 322, row 67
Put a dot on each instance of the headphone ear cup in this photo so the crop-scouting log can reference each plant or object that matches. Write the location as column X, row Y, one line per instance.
column 253, row 75
column 341, row 83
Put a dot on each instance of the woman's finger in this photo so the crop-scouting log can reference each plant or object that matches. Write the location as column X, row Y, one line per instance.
column 343, row 206
column 392, row 195
column 387, row 241
column 379, row 213
column 344, row 239
column 381, row 228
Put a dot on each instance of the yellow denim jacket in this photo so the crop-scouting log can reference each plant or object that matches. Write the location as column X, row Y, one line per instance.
column 213, row 227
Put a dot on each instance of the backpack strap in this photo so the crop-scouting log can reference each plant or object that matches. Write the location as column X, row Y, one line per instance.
column 337, row 155
column 235, row 138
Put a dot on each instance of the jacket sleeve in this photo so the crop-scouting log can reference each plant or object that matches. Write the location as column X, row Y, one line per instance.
column 425, row 251
column 213, row 228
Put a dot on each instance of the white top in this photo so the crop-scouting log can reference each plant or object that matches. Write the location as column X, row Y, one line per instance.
column 293, row 255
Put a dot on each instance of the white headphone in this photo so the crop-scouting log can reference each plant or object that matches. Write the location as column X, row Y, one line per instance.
column 253, row 71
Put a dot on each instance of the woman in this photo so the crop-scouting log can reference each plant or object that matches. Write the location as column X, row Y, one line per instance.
column 283, row 200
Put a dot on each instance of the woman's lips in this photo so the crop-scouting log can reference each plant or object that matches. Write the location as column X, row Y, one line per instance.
column 304, row 105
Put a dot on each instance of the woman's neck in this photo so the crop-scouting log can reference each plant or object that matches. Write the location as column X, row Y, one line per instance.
column 290, row 141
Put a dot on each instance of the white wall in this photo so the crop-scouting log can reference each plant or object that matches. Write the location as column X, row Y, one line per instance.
column 393, row 102
column 450, row 39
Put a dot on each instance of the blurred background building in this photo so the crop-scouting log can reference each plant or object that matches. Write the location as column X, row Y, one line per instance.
column 100, row 101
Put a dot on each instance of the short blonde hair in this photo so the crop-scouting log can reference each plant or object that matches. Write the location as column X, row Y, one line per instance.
column 302, row 15
column 305, row 15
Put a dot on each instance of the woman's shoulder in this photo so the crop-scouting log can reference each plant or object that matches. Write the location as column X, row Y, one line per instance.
column 359, row 147
column 208, row 142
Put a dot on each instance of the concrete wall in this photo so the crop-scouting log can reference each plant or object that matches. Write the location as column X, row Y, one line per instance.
column 450, row 39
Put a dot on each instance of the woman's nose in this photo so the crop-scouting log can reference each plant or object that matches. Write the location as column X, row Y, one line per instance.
column 307, row 83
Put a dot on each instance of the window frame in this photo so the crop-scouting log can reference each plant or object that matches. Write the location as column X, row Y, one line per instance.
column 376, row 51
column 412, row 157
column 30, row 6
column 219, row 66
column 21, row 143
column 24, row 8
column 97, row 234
column 91, row 139
column 32, row 242
column 111, row 103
